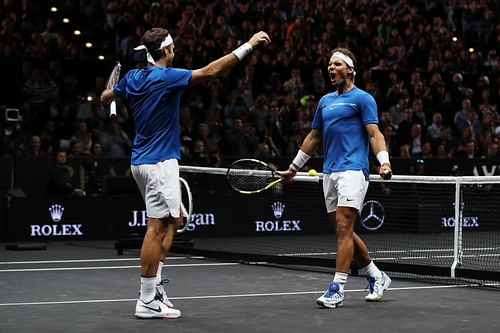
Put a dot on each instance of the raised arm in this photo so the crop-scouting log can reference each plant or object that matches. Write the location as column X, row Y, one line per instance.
column 223, row 64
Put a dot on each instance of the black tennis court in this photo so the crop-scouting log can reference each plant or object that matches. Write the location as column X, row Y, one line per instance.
column 87, row 287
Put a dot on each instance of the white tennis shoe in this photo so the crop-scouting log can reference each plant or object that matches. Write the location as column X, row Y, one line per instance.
column 155, row 309
column 377, row 287
column 332, row 298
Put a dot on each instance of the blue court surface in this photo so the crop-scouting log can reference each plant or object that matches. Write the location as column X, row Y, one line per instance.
column 87, row 287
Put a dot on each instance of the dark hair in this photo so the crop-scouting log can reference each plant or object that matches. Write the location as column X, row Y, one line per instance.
column 152, row 40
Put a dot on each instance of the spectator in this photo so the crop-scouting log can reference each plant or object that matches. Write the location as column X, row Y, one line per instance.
column 427, row 150
column 59, row 178
column 418, row 112
column 469, row 150
column 49, row 140
column 441, row 151
column 435, row 128
column 240, row 140
column 83, row 137
column 115, row 142
column 416, row 140
column 403, row 133
column 34, row 147
column 491, row 151
column 390, row 140
column 199, row 153
column 96, row 149
column 460, row 119
column 446, row 140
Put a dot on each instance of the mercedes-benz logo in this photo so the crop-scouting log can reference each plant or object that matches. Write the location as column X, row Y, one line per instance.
column 372, row 215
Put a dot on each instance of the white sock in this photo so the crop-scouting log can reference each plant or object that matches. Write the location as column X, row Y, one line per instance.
column 341, row 279
column 148, row 289
column 158, row 272
column 373, row 271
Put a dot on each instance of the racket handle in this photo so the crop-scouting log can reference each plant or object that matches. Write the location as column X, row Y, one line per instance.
column 112, row 109
column 387, row 175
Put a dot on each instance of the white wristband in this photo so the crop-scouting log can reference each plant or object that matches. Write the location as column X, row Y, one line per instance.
column 300, row 159
column 383, row 157
column 242, row 51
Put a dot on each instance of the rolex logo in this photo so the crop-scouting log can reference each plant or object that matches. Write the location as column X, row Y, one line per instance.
column 278, row 208
column 56, row 212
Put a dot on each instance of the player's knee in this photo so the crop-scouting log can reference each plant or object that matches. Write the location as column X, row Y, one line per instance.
column 155, row 228
column 343, row 229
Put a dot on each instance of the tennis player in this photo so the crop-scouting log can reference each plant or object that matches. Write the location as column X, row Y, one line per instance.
column 346, row 121
column 152, row 94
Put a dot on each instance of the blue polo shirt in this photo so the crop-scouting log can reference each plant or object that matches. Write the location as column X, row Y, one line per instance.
column 342, row 119
column 152, row 95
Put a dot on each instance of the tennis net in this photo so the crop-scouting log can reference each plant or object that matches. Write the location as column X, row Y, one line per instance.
column 408, row 223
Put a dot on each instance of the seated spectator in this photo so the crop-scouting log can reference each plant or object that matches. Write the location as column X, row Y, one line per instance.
column 446, row 140
column 34, row 147
column 199, row 154
column 82, row 136
column 427, row 150
column 468, row 152
column 262, row 152
column 491, row 151
column 416, row 140
column 96, row 149
column 59, row 178
column 464, row 137
column 441, row 151
column 390, row 140
column 435, row 128
column 385, row 120
column 49, row 140
column 239, row 140
column 115, row 142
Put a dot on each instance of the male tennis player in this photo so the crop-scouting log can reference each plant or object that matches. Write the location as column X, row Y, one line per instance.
column 346, row 121
column 152, row 94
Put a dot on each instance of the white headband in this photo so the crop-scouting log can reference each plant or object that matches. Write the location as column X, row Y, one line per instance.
column 166, row 42
column 346, row 59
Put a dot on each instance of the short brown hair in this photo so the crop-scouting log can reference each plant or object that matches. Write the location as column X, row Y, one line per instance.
column 152, row 39
column 348, row 53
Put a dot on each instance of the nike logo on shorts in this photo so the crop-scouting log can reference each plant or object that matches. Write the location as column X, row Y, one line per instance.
column 350, row 199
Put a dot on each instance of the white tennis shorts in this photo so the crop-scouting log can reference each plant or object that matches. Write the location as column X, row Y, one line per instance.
column 159, row 187
column 345, row 189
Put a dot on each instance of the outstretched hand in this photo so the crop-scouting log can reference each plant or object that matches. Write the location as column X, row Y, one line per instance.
column 258, row 38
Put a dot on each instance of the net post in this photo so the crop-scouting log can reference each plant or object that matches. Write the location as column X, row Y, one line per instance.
column 458, row 224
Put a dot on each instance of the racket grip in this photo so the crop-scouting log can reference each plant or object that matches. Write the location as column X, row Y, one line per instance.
column 387, row 175
column 112, row 109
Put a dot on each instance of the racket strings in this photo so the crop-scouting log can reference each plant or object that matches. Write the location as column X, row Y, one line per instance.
column 250, row 176
column 114, row 76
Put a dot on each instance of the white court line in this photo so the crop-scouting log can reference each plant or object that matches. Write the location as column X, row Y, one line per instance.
column 86, row 260
column 109, row 267
column 226, row 296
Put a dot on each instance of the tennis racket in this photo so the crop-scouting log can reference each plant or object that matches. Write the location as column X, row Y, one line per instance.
column 186, row 204
column 251, row 176
column 112, row 80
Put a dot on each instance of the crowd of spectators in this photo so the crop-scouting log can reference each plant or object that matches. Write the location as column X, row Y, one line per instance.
column 431, row 65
